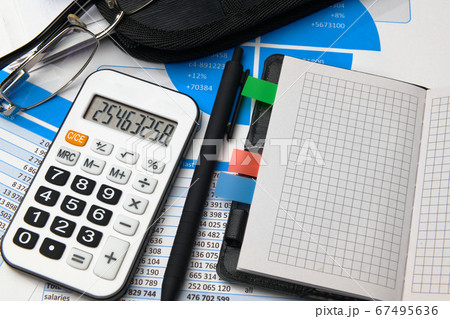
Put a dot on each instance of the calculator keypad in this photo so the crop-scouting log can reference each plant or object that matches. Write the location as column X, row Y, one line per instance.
column 36, row 217
column 79, row 259
column 90, row 217
column 102, row 147
column 153, row 166
column 62, row 227
column 144, row 184
column 93, row 165
column 89, row 237
column 57, row 176
column 126, row 225
column 73, row 206
column 111, row 257
column 83, row 185
column 99, row 216
column 67, row 156
column 25, row 238
column 118, row 174
column 135, row 204
column 126, row 156
column 109, row 195
column 46, row 196
column 52, row 249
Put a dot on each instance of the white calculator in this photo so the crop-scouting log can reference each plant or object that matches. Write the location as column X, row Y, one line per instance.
column 85, row 219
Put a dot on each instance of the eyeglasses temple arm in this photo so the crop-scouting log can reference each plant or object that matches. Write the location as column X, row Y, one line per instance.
column 111, row 27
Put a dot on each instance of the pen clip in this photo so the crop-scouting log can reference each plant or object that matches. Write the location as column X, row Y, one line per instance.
column 230, row 126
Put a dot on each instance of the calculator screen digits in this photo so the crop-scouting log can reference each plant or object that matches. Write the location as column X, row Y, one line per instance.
column 130, row 120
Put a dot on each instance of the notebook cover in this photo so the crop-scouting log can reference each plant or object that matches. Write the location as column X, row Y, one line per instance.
column 234, row 232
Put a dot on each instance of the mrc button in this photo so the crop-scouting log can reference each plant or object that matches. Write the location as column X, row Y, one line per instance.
column 75, row 138
column 67, row 156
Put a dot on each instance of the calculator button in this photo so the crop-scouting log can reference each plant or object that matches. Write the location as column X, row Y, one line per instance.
column 57, row 176
column 83, row 185
column 52, row 249
column 36, row 217
column 101, row 147
column 25, row 238
column 126, row 225
column 135, row 204
column 46, row 196
column 89, row 237
column 62, row 227
column 144, row 184
column 73, row 206
column 111, row 258
column 118, row 175
column 79, row 259
column 99, row 216
column 75, row 138
column 153, row 166
column 93, row 165
column 126, row 156
column 109, row 195
column 67, row 156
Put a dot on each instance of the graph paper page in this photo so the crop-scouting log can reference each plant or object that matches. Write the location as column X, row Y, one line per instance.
column 334, row 195
column 428, row 270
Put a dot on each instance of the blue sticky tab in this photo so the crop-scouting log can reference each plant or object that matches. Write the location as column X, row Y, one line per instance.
column 234, row 187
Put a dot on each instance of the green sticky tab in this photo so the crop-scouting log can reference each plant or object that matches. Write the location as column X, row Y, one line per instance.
column 260, row 90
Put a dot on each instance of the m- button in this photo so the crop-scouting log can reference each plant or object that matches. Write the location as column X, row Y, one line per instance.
column 75, row 138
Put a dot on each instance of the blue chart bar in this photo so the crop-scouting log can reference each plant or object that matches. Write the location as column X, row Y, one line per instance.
column 31, row 127
column 23, row 127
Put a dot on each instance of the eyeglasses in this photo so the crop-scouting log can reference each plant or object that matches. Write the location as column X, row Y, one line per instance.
column 55, row 63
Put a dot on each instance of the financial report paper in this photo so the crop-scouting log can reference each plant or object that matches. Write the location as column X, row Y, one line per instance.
column 351, row 34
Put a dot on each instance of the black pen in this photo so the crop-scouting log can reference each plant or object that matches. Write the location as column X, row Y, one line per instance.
column 201, row 180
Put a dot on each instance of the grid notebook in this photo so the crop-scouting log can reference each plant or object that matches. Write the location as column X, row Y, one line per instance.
column 352, row 196
column 344, row 216
column 432, row 258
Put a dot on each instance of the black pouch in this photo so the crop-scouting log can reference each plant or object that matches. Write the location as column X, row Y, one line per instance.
column 177, row 30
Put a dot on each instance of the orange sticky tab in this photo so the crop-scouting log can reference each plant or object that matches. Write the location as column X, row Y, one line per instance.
column 245, row 163
column 76, row 138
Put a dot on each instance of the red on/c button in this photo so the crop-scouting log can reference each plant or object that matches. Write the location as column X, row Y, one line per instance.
column 76, row 138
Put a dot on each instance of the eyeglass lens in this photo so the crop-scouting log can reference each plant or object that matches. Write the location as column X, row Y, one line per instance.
column 64, row 58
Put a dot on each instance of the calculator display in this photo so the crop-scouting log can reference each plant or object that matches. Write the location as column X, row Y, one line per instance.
column 130, row 120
